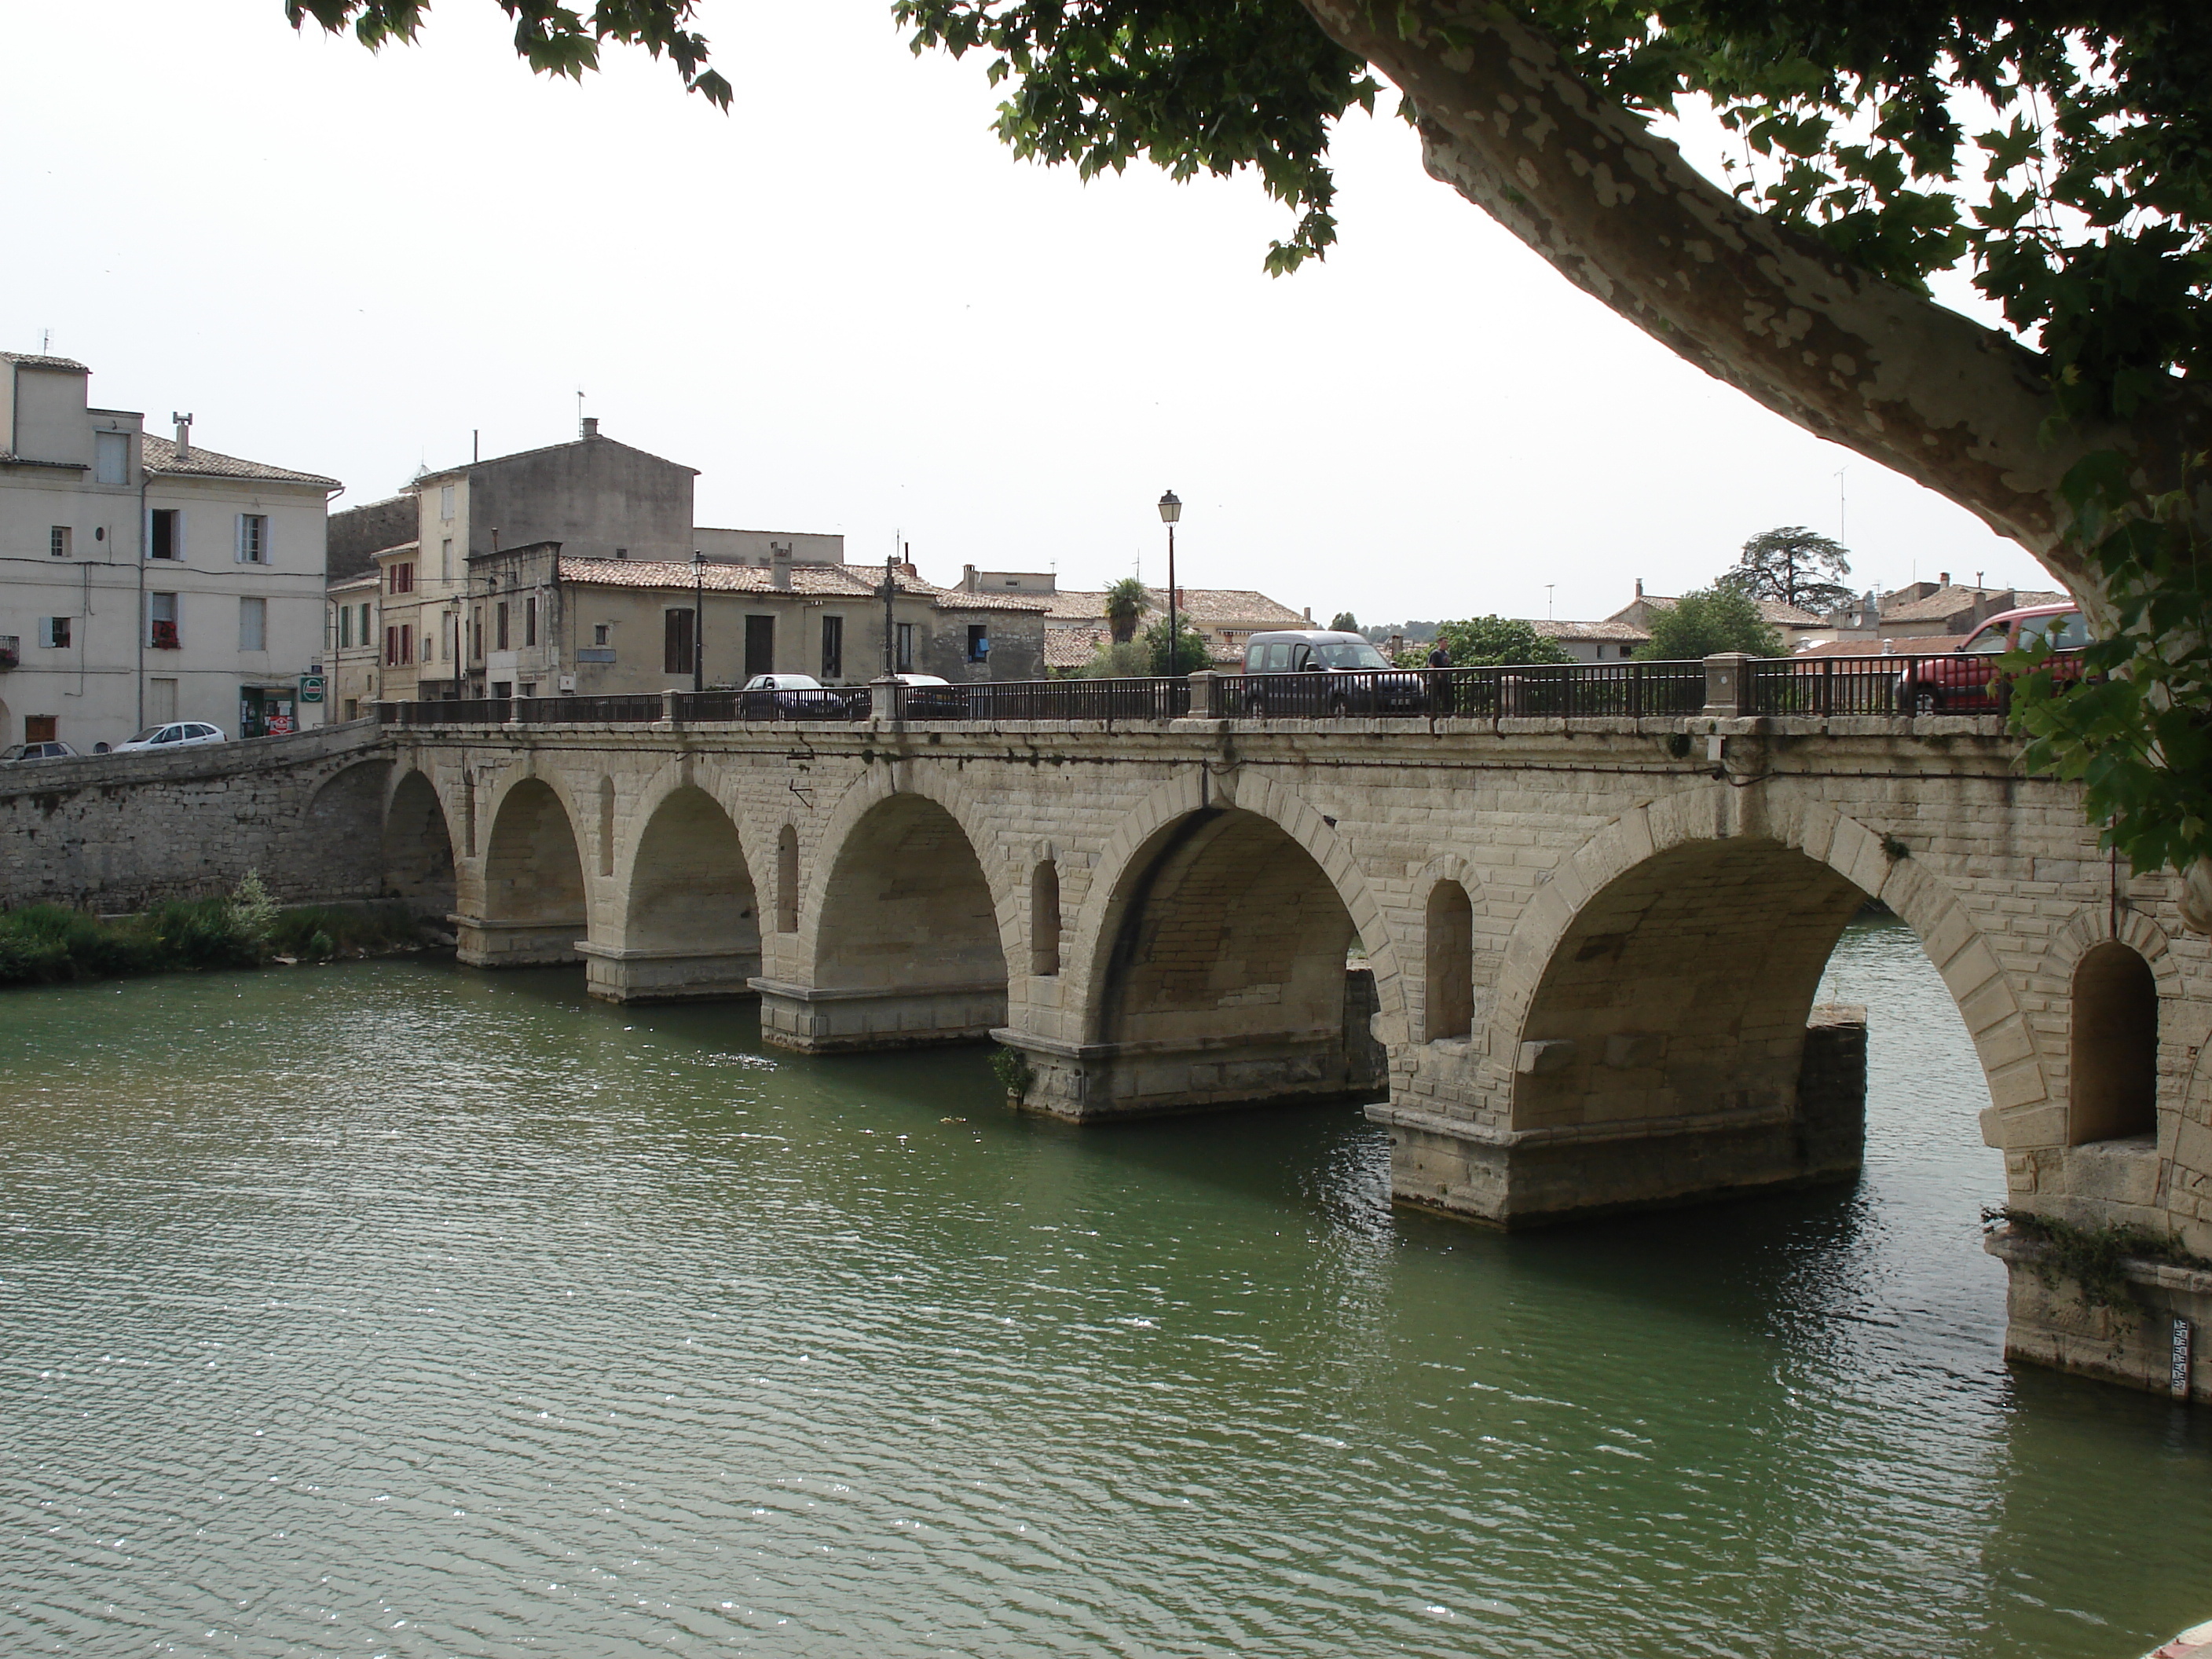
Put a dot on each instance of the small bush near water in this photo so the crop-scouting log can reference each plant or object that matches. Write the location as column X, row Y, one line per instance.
column 45, row 944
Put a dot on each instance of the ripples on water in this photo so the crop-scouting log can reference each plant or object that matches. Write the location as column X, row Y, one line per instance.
column 394, row 1309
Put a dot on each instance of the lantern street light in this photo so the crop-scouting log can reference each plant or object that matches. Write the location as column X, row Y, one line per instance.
column 698, row 620
column 1170, row 510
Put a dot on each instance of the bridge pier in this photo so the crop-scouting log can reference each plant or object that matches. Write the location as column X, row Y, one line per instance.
column 1750, row 1141
column 1086, row 1082
column 813, row 1019
column 485, row 942
column 668, row 974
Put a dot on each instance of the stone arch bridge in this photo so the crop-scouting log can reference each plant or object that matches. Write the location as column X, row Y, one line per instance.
column 1571, row 963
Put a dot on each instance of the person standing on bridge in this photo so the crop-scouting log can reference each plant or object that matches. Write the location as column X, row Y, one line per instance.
column 1439, row 683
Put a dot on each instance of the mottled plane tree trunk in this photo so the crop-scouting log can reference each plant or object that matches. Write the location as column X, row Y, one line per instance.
column 1865, row 363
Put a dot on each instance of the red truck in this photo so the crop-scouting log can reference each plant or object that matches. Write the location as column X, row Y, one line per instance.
column 1966, row 681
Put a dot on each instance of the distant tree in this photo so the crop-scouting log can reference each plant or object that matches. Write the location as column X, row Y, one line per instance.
column 1124, row 602
column 1708, row 620
column 1191, row 651
column 1488, row 641
column 1126, row 659
column 1345, row 622
column 1794, row 565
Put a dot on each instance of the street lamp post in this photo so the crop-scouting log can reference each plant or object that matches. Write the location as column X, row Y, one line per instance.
column 1170, row 510
column 698, row 620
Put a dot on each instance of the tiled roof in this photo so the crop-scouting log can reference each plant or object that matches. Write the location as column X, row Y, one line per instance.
column 543, row 449
column 1777, row 611
column 1218, row 606
column 1859, row 645
column 29, row 360
column 959, row 599
column 398, row 547
column 368, row 582
column 1549, row 630
column 1947, row 601
column 160, row 455
column 1071, row 647
column 807, row 581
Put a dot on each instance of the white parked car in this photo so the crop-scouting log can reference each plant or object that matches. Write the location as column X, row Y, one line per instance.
column 790, row 698
column 177, row 734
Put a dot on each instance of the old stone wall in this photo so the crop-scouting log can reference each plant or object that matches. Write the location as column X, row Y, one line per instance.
column 115, row 833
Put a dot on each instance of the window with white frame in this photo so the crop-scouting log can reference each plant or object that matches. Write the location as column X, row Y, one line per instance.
column 161, row 622
column 253, row 624
column 446, row 501
column 54, row 632
column 111, row 458
column 61, row 542
column 253, row 538
column 445, row 559
column 164, row 533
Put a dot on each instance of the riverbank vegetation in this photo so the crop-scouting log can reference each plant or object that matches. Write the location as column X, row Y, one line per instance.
column 47, row 943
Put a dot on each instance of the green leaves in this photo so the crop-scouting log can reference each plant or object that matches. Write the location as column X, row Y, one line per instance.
column 2131, row 717
column 553, row 39
column 1722, row 617
column 1495, row 641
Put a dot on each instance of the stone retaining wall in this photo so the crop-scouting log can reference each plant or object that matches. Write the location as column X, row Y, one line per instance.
column 116, row 833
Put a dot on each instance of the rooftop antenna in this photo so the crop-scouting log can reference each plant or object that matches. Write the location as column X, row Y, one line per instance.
column 1548, row 586
column 476, row 443
column 46, row 343
column 1843, row 537
column 580, row 411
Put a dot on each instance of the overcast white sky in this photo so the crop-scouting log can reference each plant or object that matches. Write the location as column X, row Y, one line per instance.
column 852, row 310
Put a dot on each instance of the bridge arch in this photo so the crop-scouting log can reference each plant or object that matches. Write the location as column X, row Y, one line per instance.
column 533, row 906
column 1215, row 947
column 905, row 930
column 2131, row 1030
column 687, row 913
column 416, row 850
column 1650, row 1034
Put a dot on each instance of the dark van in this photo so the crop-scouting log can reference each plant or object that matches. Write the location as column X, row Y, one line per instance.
column 1320, row 672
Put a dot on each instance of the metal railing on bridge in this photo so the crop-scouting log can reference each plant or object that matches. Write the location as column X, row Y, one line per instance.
column 1948, row 682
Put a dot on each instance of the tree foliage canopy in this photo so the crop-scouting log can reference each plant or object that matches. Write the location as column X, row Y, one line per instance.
column 1707, row 620
column 1125, row 601
column 1493, row 641
column 1794, row 565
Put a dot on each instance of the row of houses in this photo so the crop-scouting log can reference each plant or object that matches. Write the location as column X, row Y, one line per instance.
column 150, row 579
column 1923, row 616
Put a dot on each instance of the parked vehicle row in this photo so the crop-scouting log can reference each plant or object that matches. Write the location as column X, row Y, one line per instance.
column 170, row 734
column 1967, row 681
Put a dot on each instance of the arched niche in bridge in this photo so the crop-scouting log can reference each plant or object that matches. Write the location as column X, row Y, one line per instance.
column 787, row 879
column 1681, row 989
column 690, row 888
column 906, row 907
column 2113, row 1091
column 1044, row 919
column 1449, row 980
column 533, row 873
column 418, row 848
column 1226, row 976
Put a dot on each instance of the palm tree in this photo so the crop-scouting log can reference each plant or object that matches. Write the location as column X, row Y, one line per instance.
column 1124, row 602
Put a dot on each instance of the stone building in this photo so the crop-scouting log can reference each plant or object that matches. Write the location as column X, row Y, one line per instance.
column 1227, row 616
column 543, row 623
column 146, row 579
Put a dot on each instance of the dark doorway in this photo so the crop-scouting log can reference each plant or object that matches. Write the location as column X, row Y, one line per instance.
column 2115, row 1061
column 760, row 646
column 833, row 648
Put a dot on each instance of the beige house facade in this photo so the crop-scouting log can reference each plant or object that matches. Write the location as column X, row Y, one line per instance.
column 146, row 579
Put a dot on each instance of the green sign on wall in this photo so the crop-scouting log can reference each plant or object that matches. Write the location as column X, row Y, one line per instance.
column 311, row 688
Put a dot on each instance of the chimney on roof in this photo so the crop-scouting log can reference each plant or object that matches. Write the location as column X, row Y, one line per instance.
column 1639, row 587
column 591, row 426
column 1942, row 579
column 779, row 556
column 967, row 578
column 184, row 434
column 1309, row 613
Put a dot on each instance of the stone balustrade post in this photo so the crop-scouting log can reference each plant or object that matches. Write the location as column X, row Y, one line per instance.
column 1728, row 685
column 1206, row 694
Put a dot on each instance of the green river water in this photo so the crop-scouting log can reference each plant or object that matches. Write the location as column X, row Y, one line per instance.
column 390, row 1308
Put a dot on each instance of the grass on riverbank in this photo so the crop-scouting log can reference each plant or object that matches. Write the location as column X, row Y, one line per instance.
column 45, row 944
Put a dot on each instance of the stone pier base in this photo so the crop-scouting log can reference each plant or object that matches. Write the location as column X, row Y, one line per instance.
column 813, row 1020
column 625, row 975
column 484, row 944
column 2128, row 1339
column 1087, row 1082
column 1511, row 1177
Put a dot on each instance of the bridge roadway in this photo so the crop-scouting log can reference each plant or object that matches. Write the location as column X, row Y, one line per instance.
column 1590, row 947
